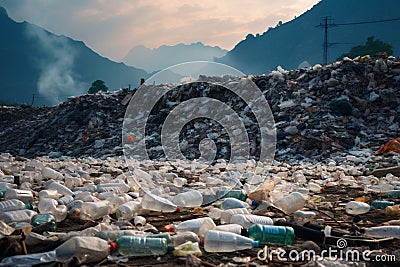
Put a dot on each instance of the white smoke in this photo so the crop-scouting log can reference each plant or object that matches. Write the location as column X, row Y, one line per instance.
column 56, row 81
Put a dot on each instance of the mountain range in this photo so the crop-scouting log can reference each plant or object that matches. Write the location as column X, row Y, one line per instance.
column 42, row 68
column 349, row 23
column 166, row 56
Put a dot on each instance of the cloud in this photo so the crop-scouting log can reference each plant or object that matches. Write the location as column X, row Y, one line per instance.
column 112, row 28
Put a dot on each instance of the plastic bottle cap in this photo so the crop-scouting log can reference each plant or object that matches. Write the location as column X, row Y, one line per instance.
column 178, row 209
column 170, row 248
column 169, row 228
column 254, row 203
column 29, row 206
column 113, row 246
column 255, row 244
column 202, row 242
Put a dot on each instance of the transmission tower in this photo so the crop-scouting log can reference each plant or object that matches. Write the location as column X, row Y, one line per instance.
column 326, row 25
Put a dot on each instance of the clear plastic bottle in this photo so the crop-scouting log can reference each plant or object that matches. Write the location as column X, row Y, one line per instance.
column 381, row 204
column 179, row 182
column 17, row 216
column 266, row 234
column 49, row 205
column 384, row 231
column 219, row 241
column 231, row 227
column 226, row 215
column 356, row 208
column 192, row 225
column 112, row 235
column 61, row 189
column 65, row 200
column 137, row 246
column 156, row 203
column 139, row 220
column 49, row 193
column 188, row 199
column 94, row 210
column 128, row 210
column 302, row 217
column 85, row 249
column 313, row 187
column 118, row 188
column 184, row 236
column 49, row 173
column 25, row 196
column 234, row 193
column 233, row 203
column 292, row 202
column 247, row 220
column 117, row 201
column 13, row 204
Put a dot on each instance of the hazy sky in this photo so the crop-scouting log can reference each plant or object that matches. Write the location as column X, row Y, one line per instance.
column 113, row 27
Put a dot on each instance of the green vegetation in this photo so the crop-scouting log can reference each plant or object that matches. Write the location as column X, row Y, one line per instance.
column 97, row 86
column 371, row 47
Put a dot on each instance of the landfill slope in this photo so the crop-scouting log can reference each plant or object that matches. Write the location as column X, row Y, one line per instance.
column 319, row 113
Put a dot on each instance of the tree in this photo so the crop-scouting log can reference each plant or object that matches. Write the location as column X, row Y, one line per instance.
column 371, row 47
column 97, row 86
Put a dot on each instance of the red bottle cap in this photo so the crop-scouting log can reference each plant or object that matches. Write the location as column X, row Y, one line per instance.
column 169, row 228
column 202, row 242
column 178, row 209
column 113, row 246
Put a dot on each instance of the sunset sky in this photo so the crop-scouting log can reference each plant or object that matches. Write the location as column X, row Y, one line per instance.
column 112, row 28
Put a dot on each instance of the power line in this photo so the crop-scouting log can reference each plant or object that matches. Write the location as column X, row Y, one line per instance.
column 326, row 25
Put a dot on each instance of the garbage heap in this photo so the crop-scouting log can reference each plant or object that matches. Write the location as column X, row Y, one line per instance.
column 319, row 113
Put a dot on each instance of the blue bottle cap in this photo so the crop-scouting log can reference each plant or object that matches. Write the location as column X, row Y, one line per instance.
column 255, row 244
column 170, row 248
column 254, row 203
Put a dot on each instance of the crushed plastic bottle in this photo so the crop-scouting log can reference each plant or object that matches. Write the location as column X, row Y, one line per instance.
column 356, row 208
column 384, row 231
column 233, row 203
column 188, row 199
column 247, row 220
column 138, row 246
column 94, row 210
column 128, row 210
column 302, row 217
column 61, row 189
column 219, row 241
column 234, row 193
column 156, row 203
column 266, row 234
column 291, row 203
column 184, row 236
column 17, row 216
column 226, row 215
column 25, row 196
column 47, row 218
column 49, row 205
column 187, row 248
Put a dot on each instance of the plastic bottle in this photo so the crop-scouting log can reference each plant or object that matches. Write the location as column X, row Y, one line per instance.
column 179, row 182
column 226, row 215
column 49, row 173
column 25, row 196
column 94, row 210
column 65, row 200
column 393, row 194
column 231, row 227
column 392, row 210
column 85, row 249
column 17, row 216
column 13, row 204
column 118, row 188
column 247, row 220
column 61, row 189
column 381, row 204
column 182, row 237
column 356, row 208
column 313, row 187
column 117, row 201
column 34, row 259
column 233, row 203
column 49, row 205
column 292, row 202
column 137, row 246
column 384, row 231
column 219, row 241
column 46, row 218
column 188, row 199
column 234, row 193
column 156, row 203
column 6, row 185
column 266, row 234
column 302, row 217
column 49, row 193
column 192, row 225
column 112, row 235
column 128, row 210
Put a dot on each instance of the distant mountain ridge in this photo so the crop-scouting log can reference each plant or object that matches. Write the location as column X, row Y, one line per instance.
column 166, row 56
column 41, row 67
column 301, row 40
